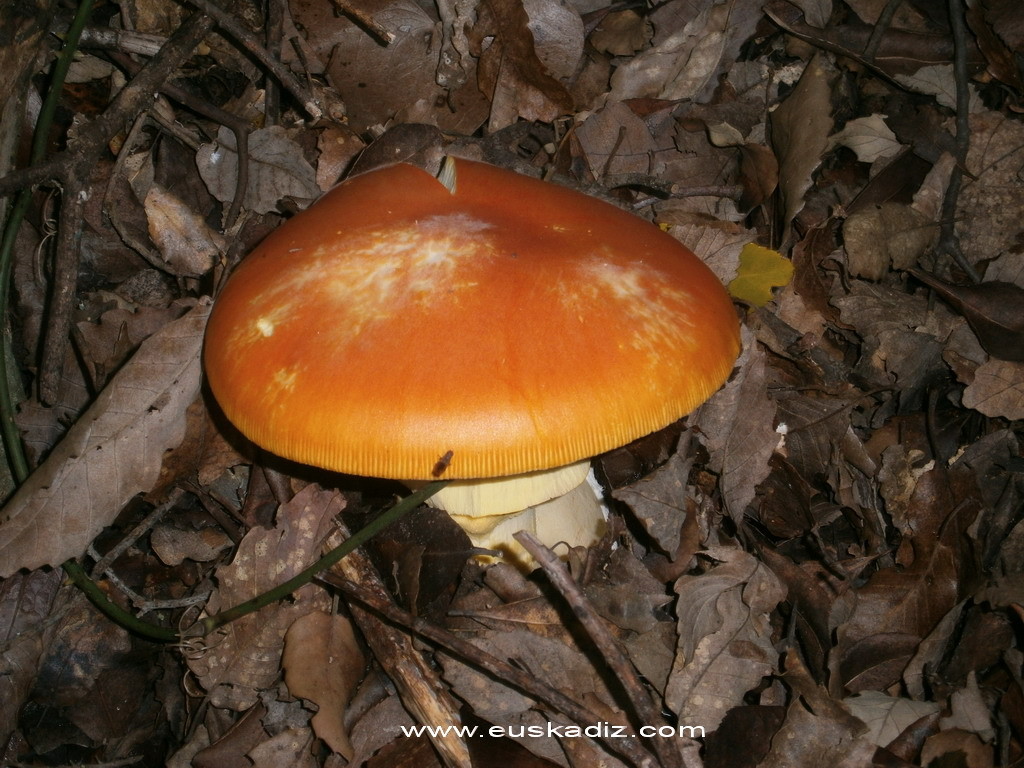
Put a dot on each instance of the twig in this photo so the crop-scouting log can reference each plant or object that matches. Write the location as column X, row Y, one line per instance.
column 881, row 27
column 141, row 603
column 670, row 189
column 418, row 683
column 949, row 243
column 103, row 563
column 646, row 711
column 629, row 749
column 63, row 281
column 247, row 39
column 207, row 625
column 74, row 169
column 238, row 126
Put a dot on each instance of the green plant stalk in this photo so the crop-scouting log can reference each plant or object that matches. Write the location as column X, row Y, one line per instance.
column 203, row 627
column 11, row 438
column 112, row 610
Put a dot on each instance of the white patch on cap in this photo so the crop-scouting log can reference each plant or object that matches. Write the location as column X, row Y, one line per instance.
column 655, row 307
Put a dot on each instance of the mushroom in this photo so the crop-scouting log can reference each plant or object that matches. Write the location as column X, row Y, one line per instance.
column 495, row 330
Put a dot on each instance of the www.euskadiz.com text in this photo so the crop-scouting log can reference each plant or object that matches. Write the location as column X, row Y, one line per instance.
column 596, row 731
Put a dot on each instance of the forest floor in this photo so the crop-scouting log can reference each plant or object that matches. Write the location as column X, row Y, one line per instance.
column 822, row 565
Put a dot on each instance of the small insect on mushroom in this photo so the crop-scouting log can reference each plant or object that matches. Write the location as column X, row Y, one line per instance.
column 512, row 327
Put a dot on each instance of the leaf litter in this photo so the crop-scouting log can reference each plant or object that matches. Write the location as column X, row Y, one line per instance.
column 823, row 564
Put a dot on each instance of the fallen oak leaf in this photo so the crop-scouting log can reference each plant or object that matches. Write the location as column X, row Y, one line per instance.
column 113, row 451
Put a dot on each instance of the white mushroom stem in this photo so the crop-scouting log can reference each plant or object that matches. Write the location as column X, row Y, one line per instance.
column 557, row 506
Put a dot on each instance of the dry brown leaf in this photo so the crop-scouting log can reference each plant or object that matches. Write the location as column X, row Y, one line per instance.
column 957, row 745
column 817, row 729
column 889, row 236
column 174, row 545
column 695, row 42
column 912, row 597
column 659, row 502
column 725, row 636
column 557, row 664
column 323, row 663
column 816, row 12
column 994, row 309
column 243, row 657
column 113, row 452
column 109, row 342
column 869, row 137
column 510, row 69
column 277, row 169
column 800, row 129
column 970, row 712
column 621, row 33
column 988, row 215
column 903, row 339
column 887, row 716
column 718, row 244
column 614, row 140
column 292, row 748
column 934, row 80
column 188, row 246
column 558, row 34
column 25, row 603
column 997, row 390
column 378, row 82
column 737, row 427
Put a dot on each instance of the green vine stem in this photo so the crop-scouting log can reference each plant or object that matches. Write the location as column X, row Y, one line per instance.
column 11, row 438
column 207, row 625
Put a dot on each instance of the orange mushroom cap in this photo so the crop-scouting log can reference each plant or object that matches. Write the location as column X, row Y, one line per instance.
column 516, row 324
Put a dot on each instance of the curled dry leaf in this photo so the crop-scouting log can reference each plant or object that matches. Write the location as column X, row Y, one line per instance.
column 324, row 663
column 887, row 716
column 621, row 33
column 988, row 218
column 113, row 452
column 800, row 130
column 560, row 665
column 869, row 137
column 291, row 747
column 615, row 140
column 25, row 603
column 188, row 246
column 511, row 70
column 659, row 502
column 695, row 42
column 817, row 730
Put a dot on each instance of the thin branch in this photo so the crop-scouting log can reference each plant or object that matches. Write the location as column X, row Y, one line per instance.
column 207, row 625
column 247, row 39
column 645, row 710
column 75, row 170
column 949, row 243
column 524, row 681
column 881, row 27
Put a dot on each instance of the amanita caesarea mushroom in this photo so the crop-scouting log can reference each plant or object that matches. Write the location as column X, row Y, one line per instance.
column 495, row 330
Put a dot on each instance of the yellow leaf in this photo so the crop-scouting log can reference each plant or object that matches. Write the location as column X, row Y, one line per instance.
column 761, row 269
